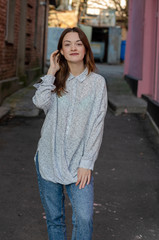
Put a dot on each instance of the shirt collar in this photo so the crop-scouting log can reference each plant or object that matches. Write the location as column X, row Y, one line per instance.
column 80, row 77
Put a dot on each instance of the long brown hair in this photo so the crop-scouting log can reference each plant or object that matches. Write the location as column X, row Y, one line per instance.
column 63, row 73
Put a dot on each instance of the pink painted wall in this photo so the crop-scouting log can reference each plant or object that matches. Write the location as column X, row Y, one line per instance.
column 142, row 51
column 134, row 51
column 146, row 86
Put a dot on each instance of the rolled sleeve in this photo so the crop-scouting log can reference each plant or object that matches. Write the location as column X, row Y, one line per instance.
column 42, row 97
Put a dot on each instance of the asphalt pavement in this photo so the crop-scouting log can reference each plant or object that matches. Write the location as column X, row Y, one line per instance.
column 126, row 173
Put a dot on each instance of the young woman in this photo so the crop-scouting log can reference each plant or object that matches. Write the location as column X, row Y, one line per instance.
column 74, row 99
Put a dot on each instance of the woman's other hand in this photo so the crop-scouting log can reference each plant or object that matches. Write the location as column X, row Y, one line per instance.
column 83, row 177
column 54, row 63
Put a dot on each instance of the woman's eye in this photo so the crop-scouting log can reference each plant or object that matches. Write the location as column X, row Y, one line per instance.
column 79, row 44
column 66, row 45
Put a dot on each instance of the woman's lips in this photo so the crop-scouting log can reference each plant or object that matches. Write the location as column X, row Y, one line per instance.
column 74, row 54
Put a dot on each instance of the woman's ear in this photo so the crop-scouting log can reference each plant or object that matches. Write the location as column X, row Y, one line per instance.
column 61, row 51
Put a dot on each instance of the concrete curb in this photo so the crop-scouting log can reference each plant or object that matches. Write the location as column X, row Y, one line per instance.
column 20, row 104
column 126, row 104
column 4, row 111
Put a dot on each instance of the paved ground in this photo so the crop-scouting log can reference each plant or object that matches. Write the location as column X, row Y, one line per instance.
column 121, row 99
column 126, row 181
column 126, row 174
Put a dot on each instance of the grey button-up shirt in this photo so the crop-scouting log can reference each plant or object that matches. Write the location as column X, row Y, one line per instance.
column 72, row 132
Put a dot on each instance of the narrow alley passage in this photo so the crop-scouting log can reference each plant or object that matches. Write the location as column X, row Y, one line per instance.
column 126, row 176
column 124, row 38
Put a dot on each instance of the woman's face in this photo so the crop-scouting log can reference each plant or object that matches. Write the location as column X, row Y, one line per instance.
column 72, row 48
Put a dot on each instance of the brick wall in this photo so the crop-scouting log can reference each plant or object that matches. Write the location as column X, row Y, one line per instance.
column 33, row 38
column 34, row 49
column 8, row 51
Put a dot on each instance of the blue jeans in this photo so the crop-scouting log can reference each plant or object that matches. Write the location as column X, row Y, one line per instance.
column 52, row 197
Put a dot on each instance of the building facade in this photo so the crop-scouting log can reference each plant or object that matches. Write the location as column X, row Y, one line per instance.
column 142, row 53
column 23, row 29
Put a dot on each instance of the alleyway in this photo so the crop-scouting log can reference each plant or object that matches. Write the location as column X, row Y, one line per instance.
column 126, row 173
column 126, row 181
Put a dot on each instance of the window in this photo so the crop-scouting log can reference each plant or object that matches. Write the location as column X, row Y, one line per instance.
column 10, row 21
column 36, row 24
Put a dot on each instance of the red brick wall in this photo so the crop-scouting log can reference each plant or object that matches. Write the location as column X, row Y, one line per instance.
column 8, row 52
column 33, row 55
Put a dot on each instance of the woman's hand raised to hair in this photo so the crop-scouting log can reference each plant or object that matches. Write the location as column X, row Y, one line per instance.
column 54, row 63
column 83, row 177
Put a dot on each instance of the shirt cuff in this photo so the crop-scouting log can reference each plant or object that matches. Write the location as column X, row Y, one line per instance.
column 86, row 163
column 47, row 79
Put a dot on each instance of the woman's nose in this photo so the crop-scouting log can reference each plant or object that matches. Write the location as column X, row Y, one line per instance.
column 73, row 47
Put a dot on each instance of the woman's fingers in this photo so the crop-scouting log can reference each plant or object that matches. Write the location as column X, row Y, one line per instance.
column 54, row 53
column 54, row 63
column 83, row 177
column 83, row 182
column 89, row 179
column 54, row 56
column 78, row 181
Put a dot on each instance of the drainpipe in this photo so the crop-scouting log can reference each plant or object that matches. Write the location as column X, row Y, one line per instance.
column 44, row 3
